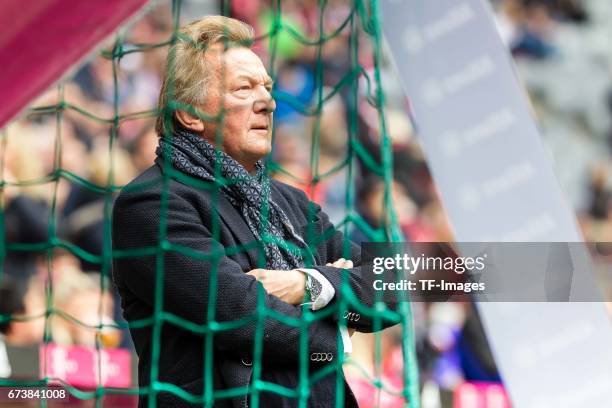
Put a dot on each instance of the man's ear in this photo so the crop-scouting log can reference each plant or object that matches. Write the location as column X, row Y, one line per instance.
column 189, row 121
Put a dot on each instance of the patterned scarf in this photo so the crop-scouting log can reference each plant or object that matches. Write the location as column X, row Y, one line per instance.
column 248, row 193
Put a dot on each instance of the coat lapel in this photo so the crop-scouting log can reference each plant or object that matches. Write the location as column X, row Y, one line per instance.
column 300, row 225
column 234, row 222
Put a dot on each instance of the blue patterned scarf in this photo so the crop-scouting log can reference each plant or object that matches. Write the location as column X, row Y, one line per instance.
column 249, row 194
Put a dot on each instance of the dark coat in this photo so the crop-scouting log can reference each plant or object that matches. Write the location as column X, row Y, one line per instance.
column 194, row 262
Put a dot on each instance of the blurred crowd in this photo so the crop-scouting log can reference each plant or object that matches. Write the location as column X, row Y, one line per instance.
column 563, row 57
column 554, row 43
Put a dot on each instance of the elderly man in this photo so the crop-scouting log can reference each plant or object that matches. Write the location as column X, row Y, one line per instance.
column 207, row 247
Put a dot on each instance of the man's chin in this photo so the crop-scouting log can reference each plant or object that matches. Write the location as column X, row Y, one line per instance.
column 261, row 153
column 261, row 147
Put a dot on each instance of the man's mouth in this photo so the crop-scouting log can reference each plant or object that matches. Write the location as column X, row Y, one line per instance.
column 260, row 127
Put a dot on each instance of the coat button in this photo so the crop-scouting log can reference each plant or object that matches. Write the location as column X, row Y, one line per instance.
column 247, row 361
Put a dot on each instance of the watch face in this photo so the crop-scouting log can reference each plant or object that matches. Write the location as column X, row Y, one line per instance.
column 314, row 289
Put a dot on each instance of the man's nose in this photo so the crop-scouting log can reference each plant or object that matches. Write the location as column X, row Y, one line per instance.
column 264, row 101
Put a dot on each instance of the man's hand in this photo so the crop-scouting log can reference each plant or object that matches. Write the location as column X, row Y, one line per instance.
column 289, row 286
column 341, row 263
column 346, row 264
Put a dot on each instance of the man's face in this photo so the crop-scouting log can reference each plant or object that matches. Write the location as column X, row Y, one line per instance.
column 240, row 84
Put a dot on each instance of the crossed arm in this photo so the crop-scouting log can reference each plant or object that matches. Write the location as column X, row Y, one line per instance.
column 290, row 286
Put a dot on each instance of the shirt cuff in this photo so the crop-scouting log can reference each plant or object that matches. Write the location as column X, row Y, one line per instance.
column 327, row 290
column 346, row 340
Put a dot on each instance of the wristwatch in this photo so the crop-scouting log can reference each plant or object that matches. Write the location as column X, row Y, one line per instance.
column 314, row 288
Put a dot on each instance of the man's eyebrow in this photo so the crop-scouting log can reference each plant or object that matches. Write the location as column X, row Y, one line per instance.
column 267, row 81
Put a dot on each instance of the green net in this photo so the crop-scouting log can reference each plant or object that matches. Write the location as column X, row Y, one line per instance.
column 361, row 26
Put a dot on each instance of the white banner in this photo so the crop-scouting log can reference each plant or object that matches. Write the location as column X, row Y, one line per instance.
column 497, row 185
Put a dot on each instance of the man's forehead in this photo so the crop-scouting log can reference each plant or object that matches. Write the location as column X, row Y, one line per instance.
column 239, row 61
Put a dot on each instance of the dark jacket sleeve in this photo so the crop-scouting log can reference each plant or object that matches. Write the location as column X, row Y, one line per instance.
column 189, row 271
column 330, row 241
